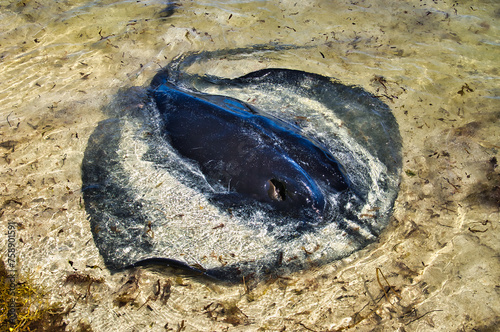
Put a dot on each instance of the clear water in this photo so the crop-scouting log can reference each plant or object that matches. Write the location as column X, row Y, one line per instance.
column 435, row 63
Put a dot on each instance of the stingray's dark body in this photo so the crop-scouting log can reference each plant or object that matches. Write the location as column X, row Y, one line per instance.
column 250, row 156
column 284, row 185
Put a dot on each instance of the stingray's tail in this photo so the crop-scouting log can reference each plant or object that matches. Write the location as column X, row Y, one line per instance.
column 176, row 70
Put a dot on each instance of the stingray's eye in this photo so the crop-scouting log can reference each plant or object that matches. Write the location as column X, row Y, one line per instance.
column 276, row 190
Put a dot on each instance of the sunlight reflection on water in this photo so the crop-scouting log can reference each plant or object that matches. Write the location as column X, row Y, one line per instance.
column 434, row 63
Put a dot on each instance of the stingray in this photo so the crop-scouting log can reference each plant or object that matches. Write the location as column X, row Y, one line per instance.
column 251, row 156
column 265, row 173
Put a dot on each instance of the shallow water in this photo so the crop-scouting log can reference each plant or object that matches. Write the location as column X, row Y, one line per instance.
column 434, row 63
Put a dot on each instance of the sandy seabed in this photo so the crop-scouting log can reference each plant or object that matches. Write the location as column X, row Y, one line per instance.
column 435, row 63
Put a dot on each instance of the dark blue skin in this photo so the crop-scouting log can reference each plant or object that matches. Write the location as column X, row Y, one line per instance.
column 254, row 157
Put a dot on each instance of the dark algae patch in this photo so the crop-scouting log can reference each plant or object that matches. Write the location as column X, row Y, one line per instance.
column 24, row 306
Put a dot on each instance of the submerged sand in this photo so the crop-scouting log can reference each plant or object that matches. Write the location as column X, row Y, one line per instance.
column 434, row 63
